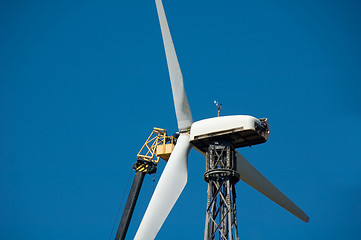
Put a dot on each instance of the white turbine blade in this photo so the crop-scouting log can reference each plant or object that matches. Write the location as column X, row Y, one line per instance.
column 182, row 109
column 255, row 179
column 169, row 188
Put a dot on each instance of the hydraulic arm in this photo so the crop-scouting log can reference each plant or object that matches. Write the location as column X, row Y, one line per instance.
column 158, row 145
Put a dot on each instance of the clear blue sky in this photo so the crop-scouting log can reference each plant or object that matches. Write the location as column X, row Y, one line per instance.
column 82, row 84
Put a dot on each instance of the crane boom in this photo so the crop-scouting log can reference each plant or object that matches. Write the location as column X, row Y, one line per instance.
column 157, row 146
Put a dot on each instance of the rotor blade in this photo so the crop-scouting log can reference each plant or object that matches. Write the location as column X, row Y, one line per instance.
column 182, row 109
column 255, row 179
column 169, row 188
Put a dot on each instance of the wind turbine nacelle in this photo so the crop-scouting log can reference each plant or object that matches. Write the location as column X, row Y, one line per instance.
column 239, row 130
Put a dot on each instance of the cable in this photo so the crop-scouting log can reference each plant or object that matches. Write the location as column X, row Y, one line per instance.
column 120, row 205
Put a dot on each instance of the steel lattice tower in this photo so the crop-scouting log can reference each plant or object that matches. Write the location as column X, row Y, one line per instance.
column 221, row 175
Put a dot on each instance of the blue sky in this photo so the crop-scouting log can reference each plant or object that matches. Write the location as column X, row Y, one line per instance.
column 82, row 84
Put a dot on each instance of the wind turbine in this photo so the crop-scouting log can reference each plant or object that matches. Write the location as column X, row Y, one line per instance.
column 216, row 138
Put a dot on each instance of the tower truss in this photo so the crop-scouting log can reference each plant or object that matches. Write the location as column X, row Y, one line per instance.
column 221, row 175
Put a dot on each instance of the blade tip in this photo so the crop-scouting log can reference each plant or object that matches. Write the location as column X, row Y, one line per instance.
column 306, row 219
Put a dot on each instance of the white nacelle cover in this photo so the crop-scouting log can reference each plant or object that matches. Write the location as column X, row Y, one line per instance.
column 222, row 124
column 227, row 125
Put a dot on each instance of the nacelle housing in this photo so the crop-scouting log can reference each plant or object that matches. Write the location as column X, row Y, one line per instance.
column 239, row 130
